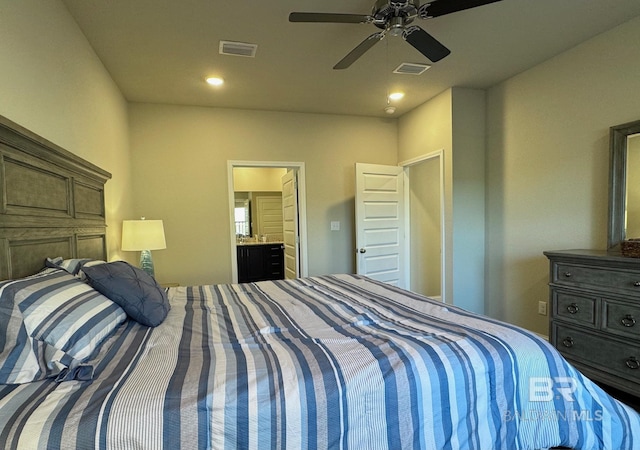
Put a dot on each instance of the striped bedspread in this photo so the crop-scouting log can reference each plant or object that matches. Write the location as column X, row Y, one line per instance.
column 338, row 362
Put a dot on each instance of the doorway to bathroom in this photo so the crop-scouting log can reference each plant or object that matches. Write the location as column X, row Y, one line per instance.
column 268, row 210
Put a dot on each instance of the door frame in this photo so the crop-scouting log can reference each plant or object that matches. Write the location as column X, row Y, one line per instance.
column 302, row 210
column 443, row 253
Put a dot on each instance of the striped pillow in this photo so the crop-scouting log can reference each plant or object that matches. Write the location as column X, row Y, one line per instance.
column 54, row 323
column 73, row 266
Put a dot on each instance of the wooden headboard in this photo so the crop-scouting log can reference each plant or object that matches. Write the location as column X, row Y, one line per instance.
column 51, row 203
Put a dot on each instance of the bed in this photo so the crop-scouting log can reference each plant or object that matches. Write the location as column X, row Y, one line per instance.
column 336, row 361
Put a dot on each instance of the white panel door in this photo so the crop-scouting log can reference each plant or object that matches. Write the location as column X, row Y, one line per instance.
column 269, row 215
column 380, row 224
column 290, row 224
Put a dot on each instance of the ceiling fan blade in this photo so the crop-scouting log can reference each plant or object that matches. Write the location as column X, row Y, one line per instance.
column 425, row 43
column 438, row 8
column 329, row 17
column 359, row 50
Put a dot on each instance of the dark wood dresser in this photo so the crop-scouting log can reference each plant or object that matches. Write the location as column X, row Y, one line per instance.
column 595, row 314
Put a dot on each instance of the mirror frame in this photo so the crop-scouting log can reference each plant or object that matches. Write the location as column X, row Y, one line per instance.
column 618, row 181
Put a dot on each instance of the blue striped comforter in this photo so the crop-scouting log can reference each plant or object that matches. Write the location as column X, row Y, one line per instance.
column 323, row 362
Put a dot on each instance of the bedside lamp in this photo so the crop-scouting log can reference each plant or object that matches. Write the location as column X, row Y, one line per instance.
column 143, row 236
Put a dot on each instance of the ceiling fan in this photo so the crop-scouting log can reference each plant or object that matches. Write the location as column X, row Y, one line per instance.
column 394, row 17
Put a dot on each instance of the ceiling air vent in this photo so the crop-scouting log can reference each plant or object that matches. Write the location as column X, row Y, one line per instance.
column 411, row 68
column 238, row 49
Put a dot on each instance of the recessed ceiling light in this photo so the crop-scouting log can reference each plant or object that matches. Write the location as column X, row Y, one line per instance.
column 215, row 81
column 396, row 95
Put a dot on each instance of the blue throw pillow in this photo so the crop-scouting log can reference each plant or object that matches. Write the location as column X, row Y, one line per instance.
column 133, row 289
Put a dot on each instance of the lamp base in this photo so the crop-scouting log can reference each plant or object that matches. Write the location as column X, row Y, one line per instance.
column 146, row 262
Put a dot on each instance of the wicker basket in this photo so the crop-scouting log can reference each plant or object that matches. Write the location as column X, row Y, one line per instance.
column 630, row 247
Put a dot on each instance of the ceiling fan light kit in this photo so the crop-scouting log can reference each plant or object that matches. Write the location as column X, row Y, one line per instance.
column 394, row 17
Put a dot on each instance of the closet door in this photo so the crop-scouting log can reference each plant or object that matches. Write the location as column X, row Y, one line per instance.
column 381, row 223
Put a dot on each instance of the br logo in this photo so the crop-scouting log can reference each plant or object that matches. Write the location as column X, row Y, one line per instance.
column 544, row 389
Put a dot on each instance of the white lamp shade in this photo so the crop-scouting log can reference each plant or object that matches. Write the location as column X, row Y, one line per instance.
column 138, row 235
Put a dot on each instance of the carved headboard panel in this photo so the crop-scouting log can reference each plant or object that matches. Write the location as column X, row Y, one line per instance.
column 51, row 203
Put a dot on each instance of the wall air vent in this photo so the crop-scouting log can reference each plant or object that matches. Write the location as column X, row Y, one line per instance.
column 411, row 68
column 238, row 49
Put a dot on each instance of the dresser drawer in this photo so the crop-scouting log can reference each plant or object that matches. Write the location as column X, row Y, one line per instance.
column 599, row 351
column 600, row 277
column 621, row 318
column 574, row 308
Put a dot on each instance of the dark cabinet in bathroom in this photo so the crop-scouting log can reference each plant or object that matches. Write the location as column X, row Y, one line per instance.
column 260, row 261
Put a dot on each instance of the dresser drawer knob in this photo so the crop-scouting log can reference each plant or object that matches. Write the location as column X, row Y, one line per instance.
column 567, row 274
column 632, row 363
column 567, row 342
column 573, row 308
column 636, row 283
column 628, row 321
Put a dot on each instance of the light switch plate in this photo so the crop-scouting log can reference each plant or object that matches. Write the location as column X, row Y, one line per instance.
column 542, row 308
column 335, row 225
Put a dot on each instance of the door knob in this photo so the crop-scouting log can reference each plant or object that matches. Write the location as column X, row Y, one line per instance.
column 363, row 250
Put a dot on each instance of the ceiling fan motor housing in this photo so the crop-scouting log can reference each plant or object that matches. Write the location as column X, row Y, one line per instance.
column 393, row 13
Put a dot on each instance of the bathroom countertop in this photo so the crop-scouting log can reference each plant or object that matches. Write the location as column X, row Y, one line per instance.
column 240, row 244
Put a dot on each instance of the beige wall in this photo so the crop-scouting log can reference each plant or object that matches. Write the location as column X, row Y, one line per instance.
column 454, row 122
column 547, row 165
column 424, row 201
column 468, row 198
column 425, row 130
column 52, row 83
column 180, row 156
column 246, row 179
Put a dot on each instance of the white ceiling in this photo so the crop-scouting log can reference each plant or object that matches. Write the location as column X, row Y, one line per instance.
column 160, row 51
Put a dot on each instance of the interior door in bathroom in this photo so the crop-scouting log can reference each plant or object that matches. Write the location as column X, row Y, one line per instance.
column 269, row 215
